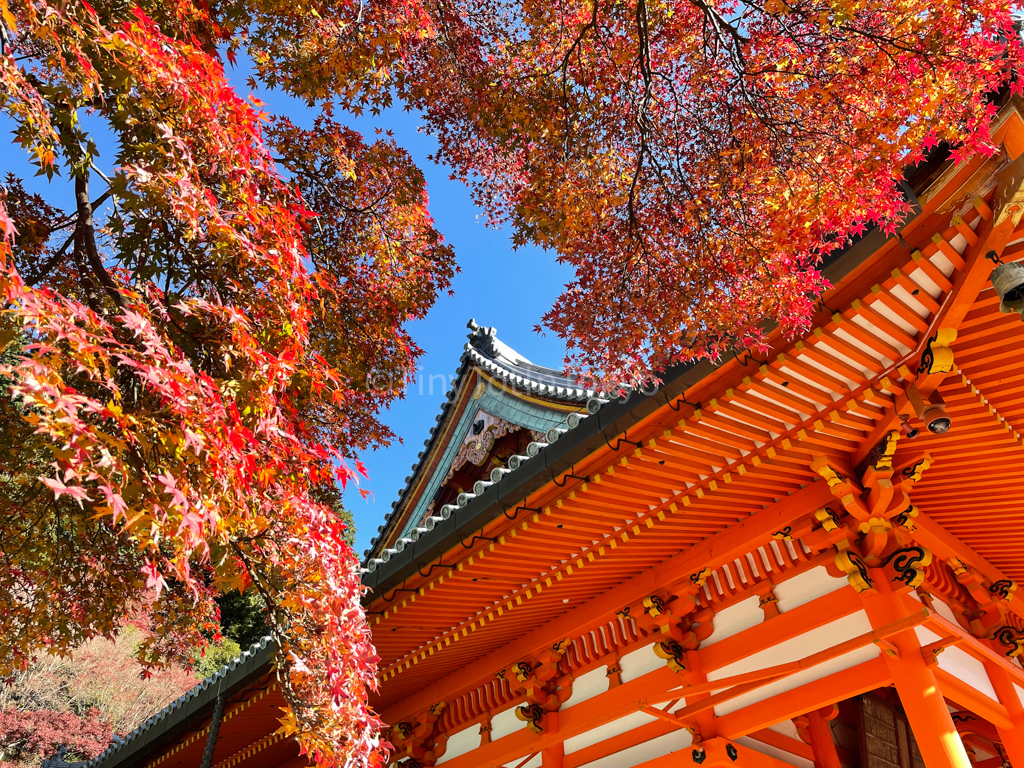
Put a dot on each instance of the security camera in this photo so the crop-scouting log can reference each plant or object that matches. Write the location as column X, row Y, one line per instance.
column 932, row 412
column 908, row 431
column 936, row 419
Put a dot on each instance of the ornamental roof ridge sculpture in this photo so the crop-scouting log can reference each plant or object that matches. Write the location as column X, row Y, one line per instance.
column 488, row 351
column 516, row 377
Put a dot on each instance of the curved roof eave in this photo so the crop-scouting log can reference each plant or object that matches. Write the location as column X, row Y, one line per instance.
column 485, row 351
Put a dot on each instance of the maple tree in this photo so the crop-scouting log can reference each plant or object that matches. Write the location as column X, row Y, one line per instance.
column 31, row 735
column 193, row 355
column 202, row 343
column 695, row 160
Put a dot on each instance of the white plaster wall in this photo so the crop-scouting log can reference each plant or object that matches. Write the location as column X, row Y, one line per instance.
column 903, row 294
column 460, row 743
column 786, row 728
column 944, row 611
column 921, row 278
column 810, row 361
column 606, row 731
column 863, row 322
column 925, row 636
column 944, row 264
column 649, row 750
column 504, row 723
column 734, row 619
column 967, row 669
column 885, row 311
column 778, row 754
column 639, row 662
column 805, row 587
column 797, row 648
column 940, row 608
column 588, row 685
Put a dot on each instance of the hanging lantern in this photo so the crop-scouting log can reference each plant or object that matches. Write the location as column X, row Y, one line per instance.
column 1008, row 280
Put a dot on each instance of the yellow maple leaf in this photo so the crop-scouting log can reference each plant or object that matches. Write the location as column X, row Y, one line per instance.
column 288, row 723
column 8, row 16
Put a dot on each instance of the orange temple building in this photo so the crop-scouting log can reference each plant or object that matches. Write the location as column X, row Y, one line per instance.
column 809, row 559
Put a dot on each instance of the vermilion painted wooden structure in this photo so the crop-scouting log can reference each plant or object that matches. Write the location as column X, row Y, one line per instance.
column 758, row 564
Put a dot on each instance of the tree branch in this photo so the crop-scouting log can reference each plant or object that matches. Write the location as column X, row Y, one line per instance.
column 51, row 262
column 85, row 232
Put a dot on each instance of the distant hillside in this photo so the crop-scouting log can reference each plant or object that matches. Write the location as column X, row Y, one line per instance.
column 83, row 702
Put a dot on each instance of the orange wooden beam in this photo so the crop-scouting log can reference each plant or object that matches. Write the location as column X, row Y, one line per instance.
column 618, row 743
column 655, row 687
column 717, row 753
column 976, row 648
column 617, row 702
column 1012, row 738
column 1010, row 133
column 970, row 698
column 554, row 755
column 749, row 681
column 968, row 282
column 721, row 548
column 814, row 695
column 721, row 752
column 825, row 753
column 816, row 613
column 945, row 545
column 785, row 743
column 917, row 684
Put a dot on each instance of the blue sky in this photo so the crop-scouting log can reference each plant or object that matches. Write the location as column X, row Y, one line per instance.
column 498, row 287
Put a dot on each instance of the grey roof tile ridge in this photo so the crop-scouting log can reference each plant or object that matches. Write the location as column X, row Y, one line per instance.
column 515, row 463
column 422, row 455
column 835, row 266
column 257, row 654
column 564, row 388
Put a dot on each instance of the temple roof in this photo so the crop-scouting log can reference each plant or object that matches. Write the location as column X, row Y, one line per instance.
column 485, row 349
column 493, row 385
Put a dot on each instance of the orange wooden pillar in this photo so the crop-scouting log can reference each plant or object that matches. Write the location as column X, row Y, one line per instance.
column 919, row 692
column 1013, row 739
column 705, row 720
column 553, row 756
column 825, row 753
